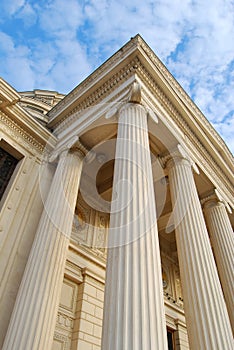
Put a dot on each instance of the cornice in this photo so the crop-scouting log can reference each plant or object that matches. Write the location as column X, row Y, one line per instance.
column 35, row 102
column 20, row 125
column 47, row 97
column 136, row 67
column 98, row 95
column 8, row 95
column 97, row 75
column 23, row 137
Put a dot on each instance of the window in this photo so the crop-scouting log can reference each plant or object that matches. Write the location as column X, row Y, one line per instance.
column 170, row 339
column 7, row 167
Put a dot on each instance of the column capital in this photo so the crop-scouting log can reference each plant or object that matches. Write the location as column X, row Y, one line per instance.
column 130, row 104
column 214, row 199
column 179, row 154
column 72, row 145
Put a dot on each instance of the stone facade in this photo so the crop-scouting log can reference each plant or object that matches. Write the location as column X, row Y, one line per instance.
column 124, row 171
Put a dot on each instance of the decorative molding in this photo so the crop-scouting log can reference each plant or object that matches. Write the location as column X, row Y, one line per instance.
column 72, row 96
column 82, row 224
column 88, row 254
column 92, row 276
column 63, row 339
column 20, row 135
column 215, row 198
column 8, row 93
column 64, row 320
column 177, row 152
column 68, row 121
column 138, row 43
column 98, row 95
column 136, row 66
column 47, row 98
column 73, row 272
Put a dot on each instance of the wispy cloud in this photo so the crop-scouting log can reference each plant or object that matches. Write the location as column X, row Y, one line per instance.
column 55, row 44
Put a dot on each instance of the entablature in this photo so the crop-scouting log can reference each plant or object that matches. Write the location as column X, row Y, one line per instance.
column 20, row 125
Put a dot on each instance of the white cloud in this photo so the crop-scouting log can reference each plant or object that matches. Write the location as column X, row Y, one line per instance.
column 193, row 37
column 226, row 130
column 11, row 7
column 27, row 14
column 59, row 15
column 16, row 64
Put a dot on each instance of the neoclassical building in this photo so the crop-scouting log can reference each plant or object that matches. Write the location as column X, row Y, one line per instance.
column 116, row 227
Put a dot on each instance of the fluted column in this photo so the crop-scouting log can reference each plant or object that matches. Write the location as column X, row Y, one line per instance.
column 222, row 240
column 33, row 319
column 134, row 317
column 205, row 310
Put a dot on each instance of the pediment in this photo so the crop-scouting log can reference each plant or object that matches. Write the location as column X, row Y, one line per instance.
column 135, row 59
column 180, row 120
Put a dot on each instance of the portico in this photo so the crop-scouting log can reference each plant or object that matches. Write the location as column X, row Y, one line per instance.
column 139, row 184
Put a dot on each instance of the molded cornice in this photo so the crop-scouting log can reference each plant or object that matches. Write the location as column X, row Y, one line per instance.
column 19, row 124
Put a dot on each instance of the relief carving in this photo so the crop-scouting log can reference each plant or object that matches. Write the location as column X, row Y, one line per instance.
column 81, row 223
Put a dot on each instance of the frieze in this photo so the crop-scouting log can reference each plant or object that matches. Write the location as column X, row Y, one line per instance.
column 68, row 121
column 172, row 111
column 96, row 74
column 99, row 94
column 36, row 98
column 65, row 320
column 20, row 135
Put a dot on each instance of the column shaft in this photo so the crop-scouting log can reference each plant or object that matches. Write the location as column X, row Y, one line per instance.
column 222, row 240
column 33, row 319
column 205, row 310
column 134, row 316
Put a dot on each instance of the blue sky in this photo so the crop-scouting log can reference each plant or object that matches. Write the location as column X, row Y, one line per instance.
column 55, row 44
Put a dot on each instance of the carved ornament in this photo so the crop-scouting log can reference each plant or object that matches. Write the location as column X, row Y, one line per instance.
column 20, row 135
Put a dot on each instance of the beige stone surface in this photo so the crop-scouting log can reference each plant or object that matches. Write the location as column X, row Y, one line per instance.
column 134, row 315
column 33, row 319
column 205, row 309
column 222, row 240
column 39, row 124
